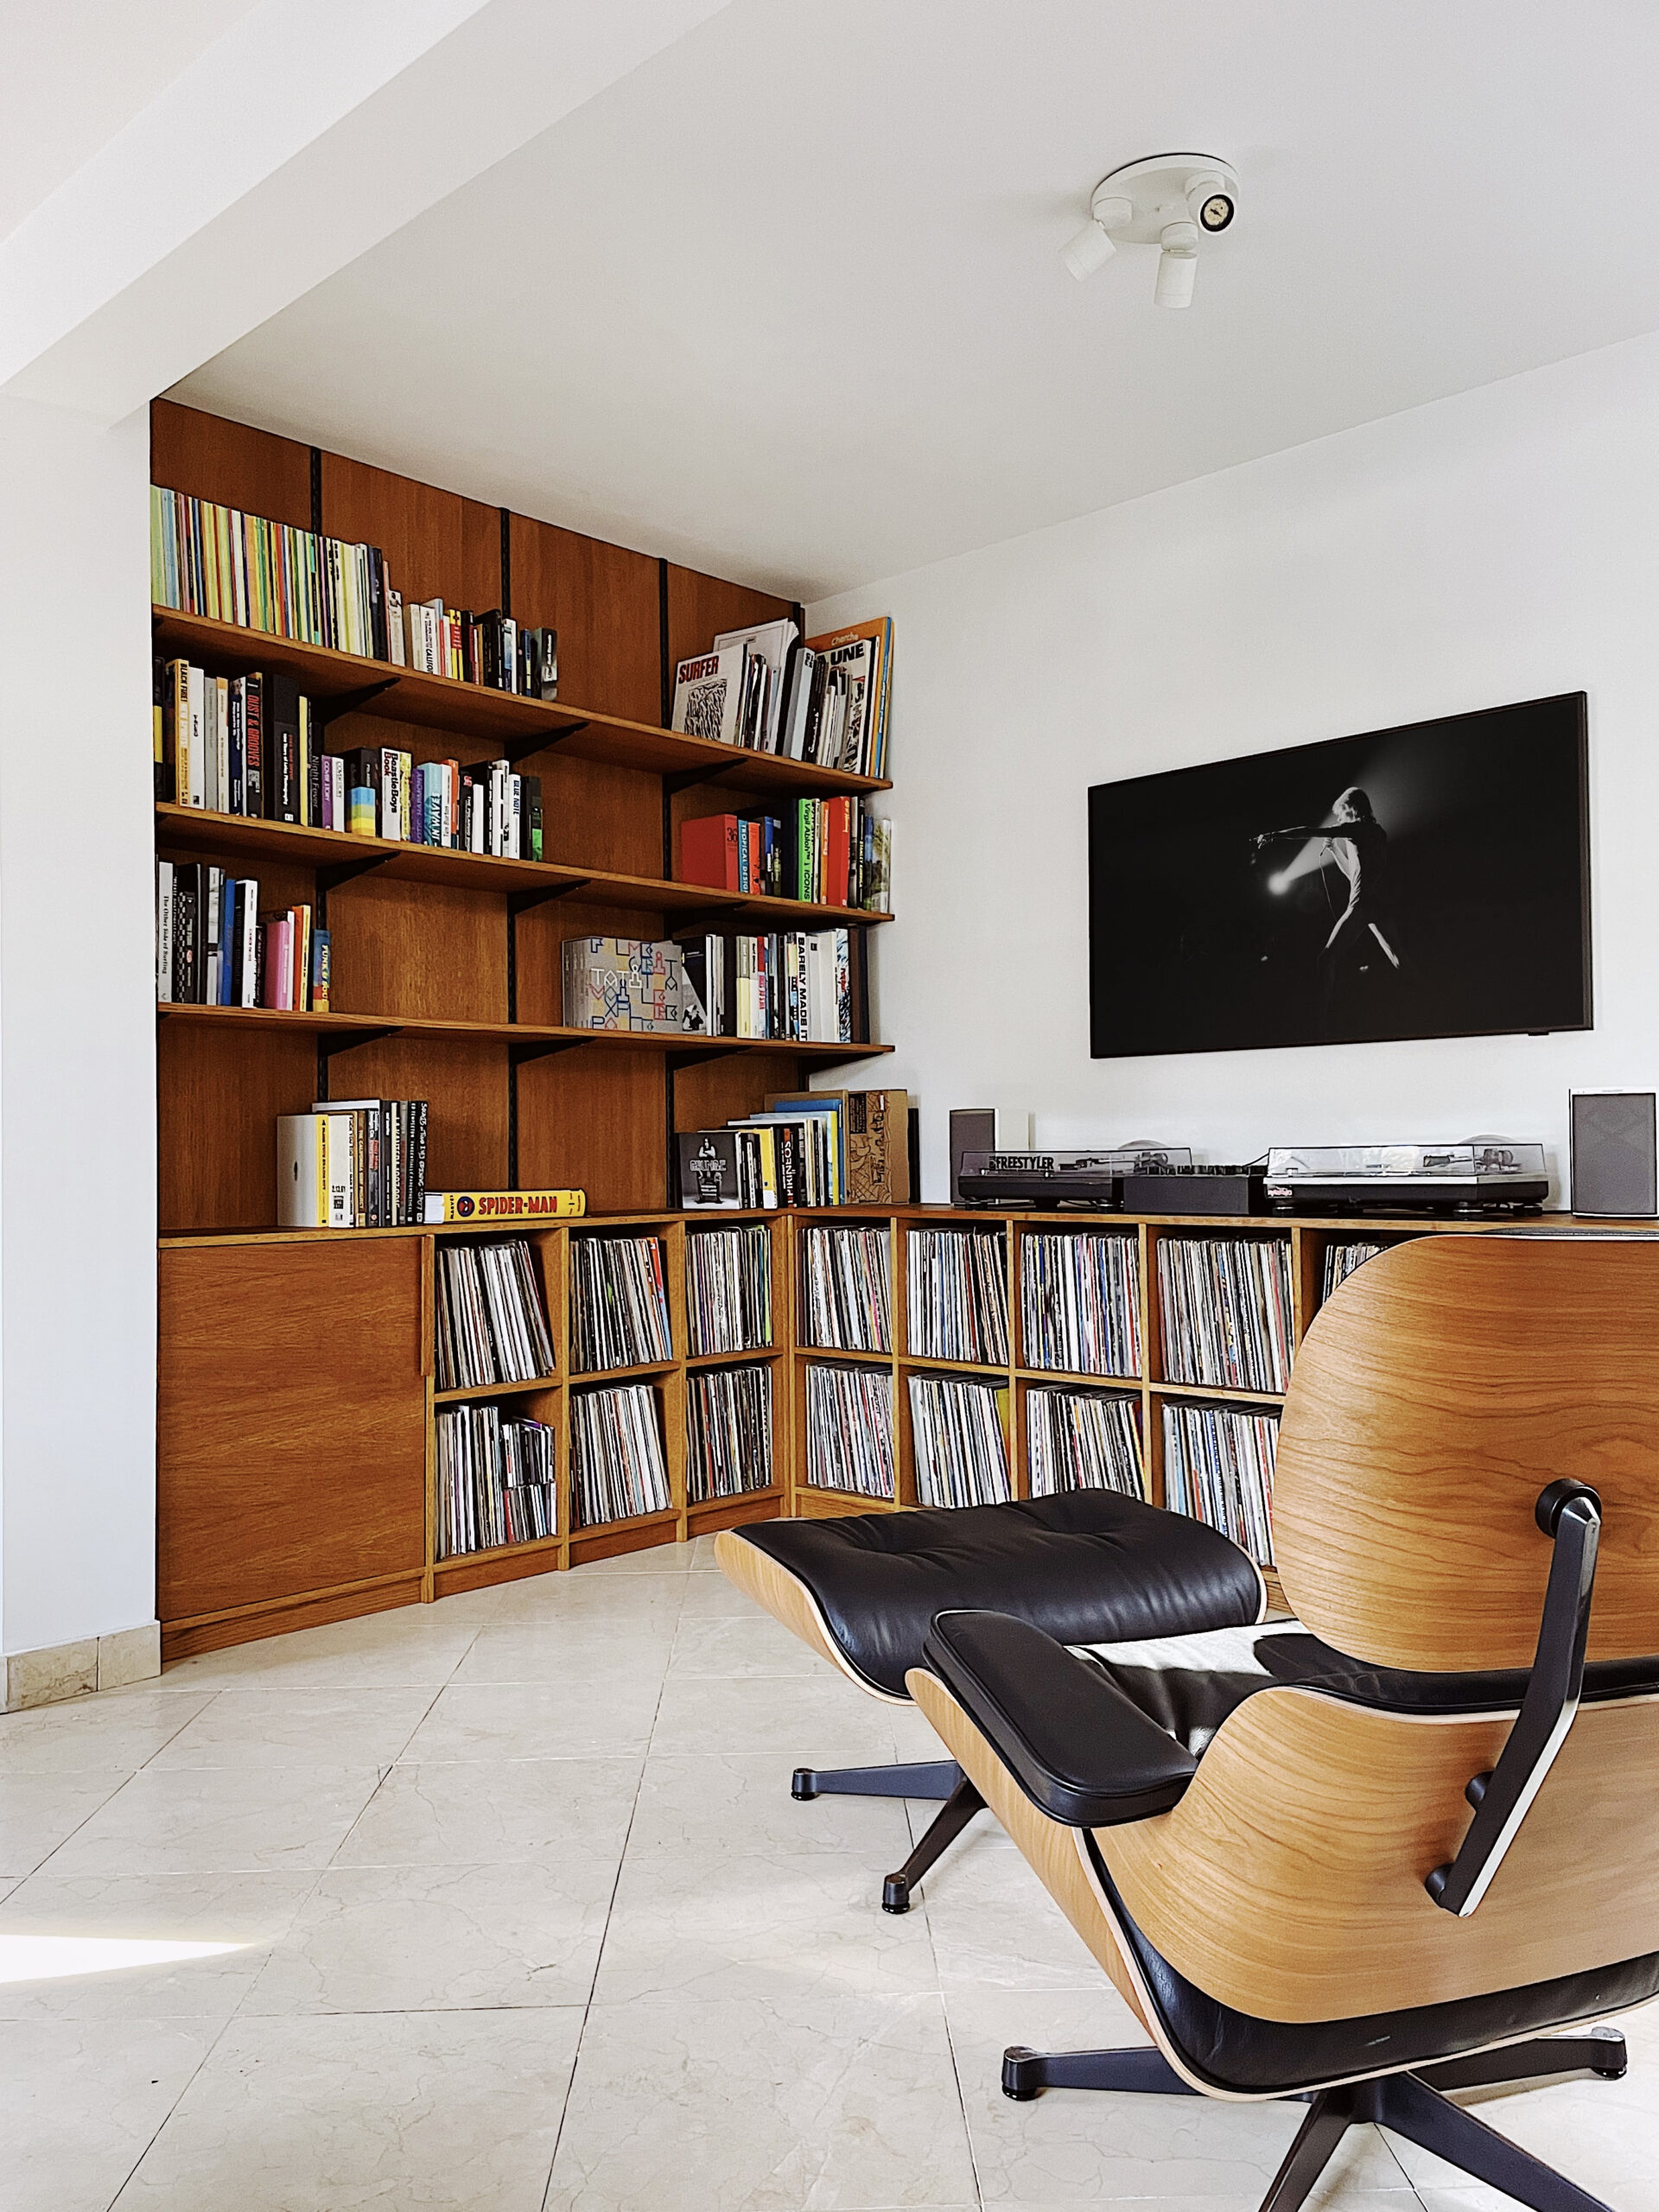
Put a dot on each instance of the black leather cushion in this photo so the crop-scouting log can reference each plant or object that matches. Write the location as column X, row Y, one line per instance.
column 1233, row 2050
column 1088, row 1567
column 1305, row 1660
column 1079, row 1748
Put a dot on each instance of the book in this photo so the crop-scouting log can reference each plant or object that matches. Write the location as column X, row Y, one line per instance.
column 612, row 982
column 847, row 719
column 213, row 560
column 766, row 649
column 504, row 1206
column 389, row 1166
column 708, row 694
column 316, row 1171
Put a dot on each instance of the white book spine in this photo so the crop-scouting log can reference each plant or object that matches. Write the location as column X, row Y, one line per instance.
column 196, row 795
column 249, row 903
column 339, row 1165
column 395, row 626
column 392, row 803
column 515, row 817
column 222, row 747
column 164, row 933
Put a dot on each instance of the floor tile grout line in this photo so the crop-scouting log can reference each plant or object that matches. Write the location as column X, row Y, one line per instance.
column 211, row 2045
column 610, row 1908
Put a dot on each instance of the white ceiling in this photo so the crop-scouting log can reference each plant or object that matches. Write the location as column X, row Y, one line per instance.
column 786, row 303
column 75, row 71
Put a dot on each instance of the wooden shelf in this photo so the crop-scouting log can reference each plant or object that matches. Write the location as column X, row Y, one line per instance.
column 830, row 1352
column 352, row 684
column 1067, row 1375
column 616, row 1527
column 675, row 1042
column 1215, row 1390
column 583, row 1375
column 528, row 1549
column 495, row 1390
column 955, row 1366
column 732, row 1359
column 709, row 1505
column 192, row 828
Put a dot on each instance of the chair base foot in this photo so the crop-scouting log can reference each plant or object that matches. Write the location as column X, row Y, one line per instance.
column 936, row 1778
column 946, row 1825
column 1412, row 2105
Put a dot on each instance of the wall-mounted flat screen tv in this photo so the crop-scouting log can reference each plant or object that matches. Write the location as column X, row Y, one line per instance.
column 1429, row 881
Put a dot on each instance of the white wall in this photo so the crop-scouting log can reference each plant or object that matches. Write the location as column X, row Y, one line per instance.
column 1497, row 546
column 77, row 1031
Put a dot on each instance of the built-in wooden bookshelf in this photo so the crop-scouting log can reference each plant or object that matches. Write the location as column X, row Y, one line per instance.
column 1307, row 1240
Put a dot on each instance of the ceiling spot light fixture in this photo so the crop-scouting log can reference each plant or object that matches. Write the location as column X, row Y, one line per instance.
column 1175, row 202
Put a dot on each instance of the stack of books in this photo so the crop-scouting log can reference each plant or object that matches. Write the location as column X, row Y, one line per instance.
column 617, row 1470
column 232, row 567
column 849, row 1429
column 619, row 1303
column 628, row 982
column 803, row 986
column 1082, row 1439
column 353, row 1163
column 825, row 699
column 846, row 1291
column 727, row 1431
column 1226, row 1311
column 214, row 947
column 1080, row 1302
column 957, row 1295
column 831, row 851
column 956, row 1435
column 1218, row 1469
column 496, row 1480
column 728, row 1290
column 1341, row 1260
column 810, row 1148
column 492, row 1320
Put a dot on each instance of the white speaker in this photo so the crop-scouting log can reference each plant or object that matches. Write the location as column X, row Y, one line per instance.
column 1615, row 1163
column 984, row 1128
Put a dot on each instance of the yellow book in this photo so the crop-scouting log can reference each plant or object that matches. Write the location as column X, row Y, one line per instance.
column 504, row 1206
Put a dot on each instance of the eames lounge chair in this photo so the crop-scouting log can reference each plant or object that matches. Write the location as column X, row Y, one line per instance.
column 1088, row 1567
column 1467, row 1498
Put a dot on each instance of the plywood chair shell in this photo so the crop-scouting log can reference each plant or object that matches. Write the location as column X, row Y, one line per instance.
column 789, row 1601
column 1436, row 1393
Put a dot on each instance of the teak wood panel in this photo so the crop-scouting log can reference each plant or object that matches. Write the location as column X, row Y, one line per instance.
column 1288, row 1881
column 1451, row 1380
column 436, row 544
column 432, row 950
column 603, row 601
column 700, row 607
column 595, row 1122
column 218, row 1094
column 291, row 1423
column 230, row 464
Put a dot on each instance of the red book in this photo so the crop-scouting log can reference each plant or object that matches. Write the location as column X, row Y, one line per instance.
column 709, row 851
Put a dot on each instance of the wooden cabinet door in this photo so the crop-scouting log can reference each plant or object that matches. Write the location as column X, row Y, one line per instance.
column 291, row 1422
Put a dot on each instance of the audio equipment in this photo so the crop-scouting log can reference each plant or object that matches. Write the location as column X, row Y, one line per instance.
column 985, row 1130
column 1613, row 1152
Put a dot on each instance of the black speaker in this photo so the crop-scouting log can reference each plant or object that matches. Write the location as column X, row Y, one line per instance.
column 1614, row 1158
column 984, row 1128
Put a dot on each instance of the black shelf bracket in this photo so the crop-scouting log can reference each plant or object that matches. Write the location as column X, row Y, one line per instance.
column 522, row 902
column 698, row 1054
column 351, row 703
column 542, row 1049
column 328, row 1044
column 520, row 748
column 672, row 785
column 1569, row 1513
column 330, row 879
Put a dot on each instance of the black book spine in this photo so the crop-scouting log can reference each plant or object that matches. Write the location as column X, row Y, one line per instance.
column 314, row 782
column 530, row 811
column 282, row 749
column 417, row 1150
column 188, row 890
column 253, row 703
column 377, row 635
column 858, row 978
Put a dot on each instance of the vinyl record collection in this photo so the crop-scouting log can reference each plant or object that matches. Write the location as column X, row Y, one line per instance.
column 496, row 1482
column 617, row 1470
column 728, row 1290
column 1225, row 1304
column 1218, row 1468
column 727, row 1431
column 492, row 1323
column 957, row 1295
column 849, row 1429
column 845, row 1292
column 1082, row 1439
column 1342, row 1261
column 956, row 1426
column 1080, row 1303
column 619, row 1298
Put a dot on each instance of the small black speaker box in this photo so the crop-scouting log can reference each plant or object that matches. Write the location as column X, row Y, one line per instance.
column 1615, row 1164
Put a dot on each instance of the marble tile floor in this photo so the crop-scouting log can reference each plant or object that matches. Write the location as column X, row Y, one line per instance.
column 502, row 1904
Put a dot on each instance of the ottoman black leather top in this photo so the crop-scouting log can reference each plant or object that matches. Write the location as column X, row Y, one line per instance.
column 1091, row 1567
